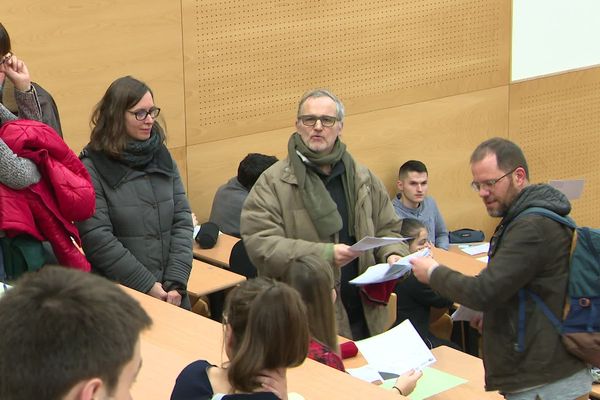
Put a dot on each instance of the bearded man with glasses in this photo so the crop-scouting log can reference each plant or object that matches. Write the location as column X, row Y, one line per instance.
column 529, row 361
column 319, row 201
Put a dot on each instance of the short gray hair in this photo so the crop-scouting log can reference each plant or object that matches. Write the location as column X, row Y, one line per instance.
column 314, row 93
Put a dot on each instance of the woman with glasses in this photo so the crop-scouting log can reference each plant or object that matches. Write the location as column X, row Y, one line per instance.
column 141, row 232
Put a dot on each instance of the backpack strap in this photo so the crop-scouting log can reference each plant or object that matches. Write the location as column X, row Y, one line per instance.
column 523, row 293
column 568, row 221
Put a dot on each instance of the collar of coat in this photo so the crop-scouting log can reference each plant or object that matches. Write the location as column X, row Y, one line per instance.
column 114, row 172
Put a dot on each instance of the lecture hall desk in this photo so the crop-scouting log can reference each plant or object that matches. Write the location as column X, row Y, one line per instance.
column 179, row 337
column 456, row 363
column 218, row 255
column 206, row 278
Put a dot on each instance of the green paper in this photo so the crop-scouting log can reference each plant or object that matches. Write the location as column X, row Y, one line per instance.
column 431, row 383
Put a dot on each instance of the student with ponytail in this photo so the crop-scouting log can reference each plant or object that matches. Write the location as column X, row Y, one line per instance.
column 266, row 332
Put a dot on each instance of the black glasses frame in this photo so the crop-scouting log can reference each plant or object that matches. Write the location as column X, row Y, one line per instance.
column 141, row 115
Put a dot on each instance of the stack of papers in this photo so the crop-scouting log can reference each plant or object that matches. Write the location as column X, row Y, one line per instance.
column 385, row 272
column 396, row 351
column 476, row 249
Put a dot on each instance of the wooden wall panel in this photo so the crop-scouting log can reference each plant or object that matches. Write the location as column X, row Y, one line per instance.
column 441, row 132
column 556, row 121
column 75, row 49
column 246, row 63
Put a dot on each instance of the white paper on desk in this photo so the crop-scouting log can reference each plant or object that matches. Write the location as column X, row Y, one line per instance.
column 476, row 249
column 483, row 259
column 465, row 314
column 396, row 351
column 385, row 272
column 370, row 242
column 365, row 373
column 572, row 188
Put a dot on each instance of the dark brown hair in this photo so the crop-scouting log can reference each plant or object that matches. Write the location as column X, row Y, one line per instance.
column 508, row 155
column 108, row 119
column 313, row 278
column 269, row 330
column 4, row 41
column 61, row 326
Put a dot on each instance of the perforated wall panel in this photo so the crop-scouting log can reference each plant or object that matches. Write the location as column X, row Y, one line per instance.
column 556, row 120
column 247, row 63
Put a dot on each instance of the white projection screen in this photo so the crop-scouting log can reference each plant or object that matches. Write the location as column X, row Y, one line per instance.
column 552, row 36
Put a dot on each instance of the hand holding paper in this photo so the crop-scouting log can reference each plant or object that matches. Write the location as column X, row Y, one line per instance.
column 385, row 272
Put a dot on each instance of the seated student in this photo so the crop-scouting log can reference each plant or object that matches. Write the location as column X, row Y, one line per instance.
column 68, row 335
column 230, row 197
column 415, row 299
column 265, row 333
column 313, row 279
column 412, row 202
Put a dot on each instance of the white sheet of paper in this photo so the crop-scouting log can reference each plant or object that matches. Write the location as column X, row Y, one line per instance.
column 483, row 259
column 465, row 314
column 476, row 249
column 365, row 373
column 370, row 242
column 572, row 188
column 396, row 351
column 385, row 272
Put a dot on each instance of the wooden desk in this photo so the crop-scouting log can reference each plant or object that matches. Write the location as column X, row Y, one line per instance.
column 206, row 278
column 218, row 255
column 179, row 337
column 456, row 363
column 460, row 262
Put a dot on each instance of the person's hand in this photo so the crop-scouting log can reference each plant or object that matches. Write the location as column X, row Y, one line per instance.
column 477, row 322
column 194, row 220
column 17, row 72
column 421, row 267
column 274, row 381
column 173, row 297
column 342, row 254
column 393, row 258
column 406, row 383
column 158, row 292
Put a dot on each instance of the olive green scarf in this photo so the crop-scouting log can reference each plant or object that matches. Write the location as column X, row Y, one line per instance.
column 318, row 203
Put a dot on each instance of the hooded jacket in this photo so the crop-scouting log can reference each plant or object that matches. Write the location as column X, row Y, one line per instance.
column 529, row 252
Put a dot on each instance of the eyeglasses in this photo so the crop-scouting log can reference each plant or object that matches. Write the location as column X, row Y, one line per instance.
column 5, row 58
column 311, row 120
column 489, row 184
column 141, row 115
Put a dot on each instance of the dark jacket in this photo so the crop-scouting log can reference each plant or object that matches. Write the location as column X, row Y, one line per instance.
column 141, row 232
column 530, row 252
column 414, row 301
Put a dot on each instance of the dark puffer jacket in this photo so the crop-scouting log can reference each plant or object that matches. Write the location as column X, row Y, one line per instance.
column 531, row 252
column 141, row 232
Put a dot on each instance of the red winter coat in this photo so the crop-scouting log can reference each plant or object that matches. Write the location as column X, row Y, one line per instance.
column 46, row 210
